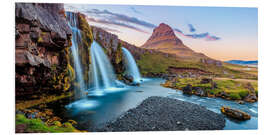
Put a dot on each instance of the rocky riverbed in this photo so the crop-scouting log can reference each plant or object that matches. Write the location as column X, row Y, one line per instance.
column 165, row 114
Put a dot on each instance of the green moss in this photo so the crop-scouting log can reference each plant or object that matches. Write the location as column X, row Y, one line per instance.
column 71, row 72
column 86, row 31
column 37, row 125
column 243, row 93
column 235, row 89
column 234, row 96
column 118, row 54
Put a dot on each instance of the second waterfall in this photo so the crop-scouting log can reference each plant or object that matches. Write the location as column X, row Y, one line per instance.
column 104, row 79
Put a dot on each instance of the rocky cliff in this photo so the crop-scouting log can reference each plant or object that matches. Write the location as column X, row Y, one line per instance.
column 42, row 39
column 112, row 45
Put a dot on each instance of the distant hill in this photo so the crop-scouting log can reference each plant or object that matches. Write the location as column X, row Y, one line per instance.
column 164, row 39
column 242, row 62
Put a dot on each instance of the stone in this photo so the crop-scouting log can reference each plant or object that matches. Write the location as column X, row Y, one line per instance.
column 240, row 102
column 234, row 113
column 187, row 89
column 199, row 91
column 206, row 80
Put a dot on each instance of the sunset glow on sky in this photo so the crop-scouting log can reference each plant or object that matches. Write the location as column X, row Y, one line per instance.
column 222, row 33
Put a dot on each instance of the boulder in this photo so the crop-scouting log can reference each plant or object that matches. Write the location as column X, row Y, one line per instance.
column 234, row 113
column 187, row 89
column 206, row 80
column 128, row 79
column 240, row 102
column 222, row 94
column 199, row 91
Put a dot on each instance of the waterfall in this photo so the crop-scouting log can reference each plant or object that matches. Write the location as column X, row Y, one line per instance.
column 102, row 71
column 131, row 66
column 76, row 39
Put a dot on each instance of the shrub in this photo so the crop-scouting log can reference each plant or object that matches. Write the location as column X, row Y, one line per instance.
column 243, row 93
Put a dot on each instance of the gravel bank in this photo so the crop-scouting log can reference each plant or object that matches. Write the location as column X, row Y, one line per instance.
column 166, row 114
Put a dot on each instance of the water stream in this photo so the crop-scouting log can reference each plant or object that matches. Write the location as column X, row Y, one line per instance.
column 131, row 66
column 96, row 111
column 76, row 40
column 103, row 76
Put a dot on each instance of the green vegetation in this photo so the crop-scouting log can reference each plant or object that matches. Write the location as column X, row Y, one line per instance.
column 37, row 125
column 42, row 100
column 158, row 63
column 236, row 90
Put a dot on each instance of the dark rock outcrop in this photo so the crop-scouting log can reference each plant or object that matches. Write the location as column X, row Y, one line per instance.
column 42, row 34
column 187, row 89
column 251, row 97
column 233, row 113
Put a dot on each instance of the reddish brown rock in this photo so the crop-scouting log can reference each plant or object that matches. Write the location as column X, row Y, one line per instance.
column 42, row 34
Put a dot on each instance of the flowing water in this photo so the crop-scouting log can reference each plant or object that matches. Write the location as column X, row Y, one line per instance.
column 131, row 66
column 95, row 111
column 104, row 79
column 76, row 39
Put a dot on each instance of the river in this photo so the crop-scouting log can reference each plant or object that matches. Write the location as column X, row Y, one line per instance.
column 95, row 111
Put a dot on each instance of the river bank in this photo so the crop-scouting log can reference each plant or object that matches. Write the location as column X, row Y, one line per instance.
column 166, row 114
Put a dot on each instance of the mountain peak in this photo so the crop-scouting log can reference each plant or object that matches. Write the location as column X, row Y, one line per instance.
column 164, row 39
column 162, row 33
column 163, row 26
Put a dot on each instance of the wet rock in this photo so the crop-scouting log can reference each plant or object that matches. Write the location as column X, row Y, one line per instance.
column 240, row 102
column 252, row 97
column 222, row 94
column 199, row 91
column 187, row 89
column 234, row 113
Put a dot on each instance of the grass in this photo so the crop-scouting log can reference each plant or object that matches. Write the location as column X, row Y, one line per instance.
column 235, row 89
column 43, row 99
column 158, row 63
column 37, row 125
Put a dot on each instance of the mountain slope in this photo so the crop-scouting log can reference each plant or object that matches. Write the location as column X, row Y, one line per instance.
column 164, row 39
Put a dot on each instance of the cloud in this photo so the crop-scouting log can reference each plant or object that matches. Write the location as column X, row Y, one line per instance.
column 110, row 30
column 120, row 17
column 205, row 36
column 109, row 18
column 135, row 10
column 102, row 21
column 191, row 28
column 201, row 35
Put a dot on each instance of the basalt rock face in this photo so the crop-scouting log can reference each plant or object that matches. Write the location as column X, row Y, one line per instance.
column 42, row 36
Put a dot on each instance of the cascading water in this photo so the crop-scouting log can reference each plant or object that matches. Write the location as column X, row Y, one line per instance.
column 76, row 39
column 131, row 66
column 102, row 71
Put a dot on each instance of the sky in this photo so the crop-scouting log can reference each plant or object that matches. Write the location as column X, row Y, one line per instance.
column 223, row 33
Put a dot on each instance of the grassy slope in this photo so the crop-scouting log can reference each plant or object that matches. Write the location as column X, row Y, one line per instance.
column 235, row 89
column 158, row 63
